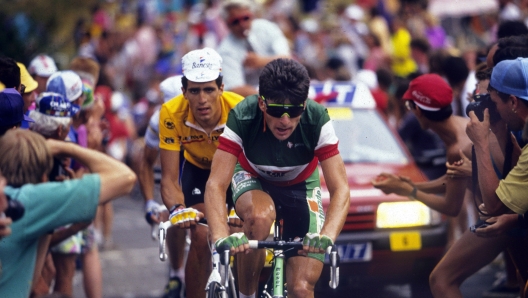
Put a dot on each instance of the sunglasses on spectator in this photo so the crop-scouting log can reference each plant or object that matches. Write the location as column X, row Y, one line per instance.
column 278, row 110
column 22, row 88
column 239, row 20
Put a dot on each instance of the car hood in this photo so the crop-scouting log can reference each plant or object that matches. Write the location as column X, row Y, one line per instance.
column 360, row 176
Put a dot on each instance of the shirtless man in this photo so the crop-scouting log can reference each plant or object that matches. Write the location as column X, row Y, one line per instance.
column 429, row 97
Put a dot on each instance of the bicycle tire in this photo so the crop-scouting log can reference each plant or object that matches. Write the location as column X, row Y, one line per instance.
column 215, row 290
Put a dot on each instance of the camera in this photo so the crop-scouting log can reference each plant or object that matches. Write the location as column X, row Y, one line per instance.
column 479, row 104
column 15, row 210
column 478, row 225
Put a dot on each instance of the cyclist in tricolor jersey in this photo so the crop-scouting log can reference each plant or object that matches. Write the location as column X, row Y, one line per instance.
column 269, row 153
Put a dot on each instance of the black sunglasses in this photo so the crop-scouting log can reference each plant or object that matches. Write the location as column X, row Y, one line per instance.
column 237, row 21
column 278, row 110
column 22, row 88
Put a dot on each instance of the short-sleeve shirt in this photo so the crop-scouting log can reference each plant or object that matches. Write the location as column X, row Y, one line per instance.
column 285, row 162
column 47, row 206
column 265, row 38
column 179, row 130
column 513, row 190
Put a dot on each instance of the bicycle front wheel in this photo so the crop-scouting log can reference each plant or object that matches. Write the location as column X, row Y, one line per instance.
column 215, row 290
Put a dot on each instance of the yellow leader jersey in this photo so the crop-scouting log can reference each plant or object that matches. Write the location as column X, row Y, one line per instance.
column 178, row 129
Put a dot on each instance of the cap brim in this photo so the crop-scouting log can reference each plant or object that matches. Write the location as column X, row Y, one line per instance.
column 28, row 119
column 407, row 95
column 423, row 107
column 31, row 86
column 75, row 109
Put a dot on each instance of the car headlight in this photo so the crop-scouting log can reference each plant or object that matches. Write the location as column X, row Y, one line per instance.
column 405, row 214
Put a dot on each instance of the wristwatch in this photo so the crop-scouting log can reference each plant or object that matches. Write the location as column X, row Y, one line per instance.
column 177, row 206
column 412, row 195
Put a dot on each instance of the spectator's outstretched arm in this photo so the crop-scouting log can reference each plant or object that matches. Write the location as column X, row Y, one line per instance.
column 117, row 179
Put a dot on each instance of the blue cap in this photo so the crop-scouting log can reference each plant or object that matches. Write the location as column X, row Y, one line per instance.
column 67, row 83
column 54, row 104
column 12, row 108
column 511, row 77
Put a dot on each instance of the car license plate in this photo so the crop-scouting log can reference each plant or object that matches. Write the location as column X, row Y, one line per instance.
column 402, row 241
column 354, row 252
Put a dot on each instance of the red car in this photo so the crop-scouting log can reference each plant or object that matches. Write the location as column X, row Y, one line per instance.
column 385, row 238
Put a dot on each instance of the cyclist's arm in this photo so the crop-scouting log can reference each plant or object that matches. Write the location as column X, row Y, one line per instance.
column 146, row 172
column 117, row 179
column 215, row 193
column 171, row 192
column 337, row 183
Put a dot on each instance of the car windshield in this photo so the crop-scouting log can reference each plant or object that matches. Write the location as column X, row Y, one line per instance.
column 364, row 137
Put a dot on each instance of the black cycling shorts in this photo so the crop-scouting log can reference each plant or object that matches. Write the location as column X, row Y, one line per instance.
column 193, row 180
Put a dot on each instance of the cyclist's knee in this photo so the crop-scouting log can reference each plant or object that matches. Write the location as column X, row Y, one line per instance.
column 301, row 288
column 257, row 226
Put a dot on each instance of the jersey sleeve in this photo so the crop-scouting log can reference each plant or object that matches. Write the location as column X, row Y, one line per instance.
column 327, row 143
column 167, row 131
column 231, row 139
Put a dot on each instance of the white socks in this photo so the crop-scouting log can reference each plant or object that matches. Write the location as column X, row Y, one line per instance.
column 180, row 273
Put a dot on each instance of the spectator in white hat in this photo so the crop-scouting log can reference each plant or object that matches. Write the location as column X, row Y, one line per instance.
column 41, row 68
column 68, row 84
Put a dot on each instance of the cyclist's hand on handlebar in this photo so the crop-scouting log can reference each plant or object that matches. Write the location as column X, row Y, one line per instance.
column 185, row 218
column 236, row 243
column 315, row 243
column 233, row 219
column 155, row 213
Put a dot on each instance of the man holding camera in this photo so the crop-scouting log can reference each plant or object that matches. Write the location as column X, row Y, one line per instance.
column 508, row 90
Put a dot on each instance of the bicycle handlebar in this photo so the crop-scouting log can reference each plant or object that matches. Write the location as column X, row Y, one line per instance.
column 283, row 245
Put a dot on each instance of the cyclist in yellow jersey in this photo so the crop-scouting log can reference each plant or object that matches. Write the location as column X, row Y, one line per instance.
column 193, row 122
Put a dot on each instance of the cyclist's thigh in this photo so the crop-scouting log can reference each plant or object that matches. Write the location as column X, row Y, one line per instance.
column 467, row 255
column 301, row 271
column 301, row 209
column 193, row 180
column 248, row 196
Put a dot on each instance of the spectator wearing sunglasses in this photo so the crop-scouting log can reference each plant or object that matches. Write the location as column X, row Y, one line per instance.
column 28, row 90
column 250, row 45
column 271, row 145
column 192, row 122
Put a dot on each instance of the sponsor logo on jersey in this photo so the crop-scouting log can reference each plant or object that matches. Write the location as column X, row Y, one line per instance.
column 168, row 140
column 316, row 207
column 196, row 192
column 275, row 174
column 168, row 123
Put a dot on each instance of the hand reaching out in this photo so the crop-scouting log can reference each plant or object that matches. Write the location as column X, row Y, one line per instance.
column 390, row 183
column 459, row 169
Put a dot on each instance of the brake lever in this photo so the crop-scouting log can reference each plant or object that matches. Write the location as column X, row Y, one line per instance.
column 334, row 269
column 162, row 235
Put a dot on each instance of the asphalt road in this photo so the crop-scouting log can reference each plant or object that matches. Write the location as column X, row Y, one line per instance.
column 133, row 269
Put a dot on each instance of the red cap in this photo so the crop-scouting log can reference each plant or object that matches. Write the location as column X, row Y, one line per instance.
column 430, row 92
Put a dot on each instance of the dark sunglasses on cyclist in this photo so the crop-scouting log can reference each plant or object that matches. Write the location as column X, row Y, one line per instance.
column 278, row 110
column 237, row 21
